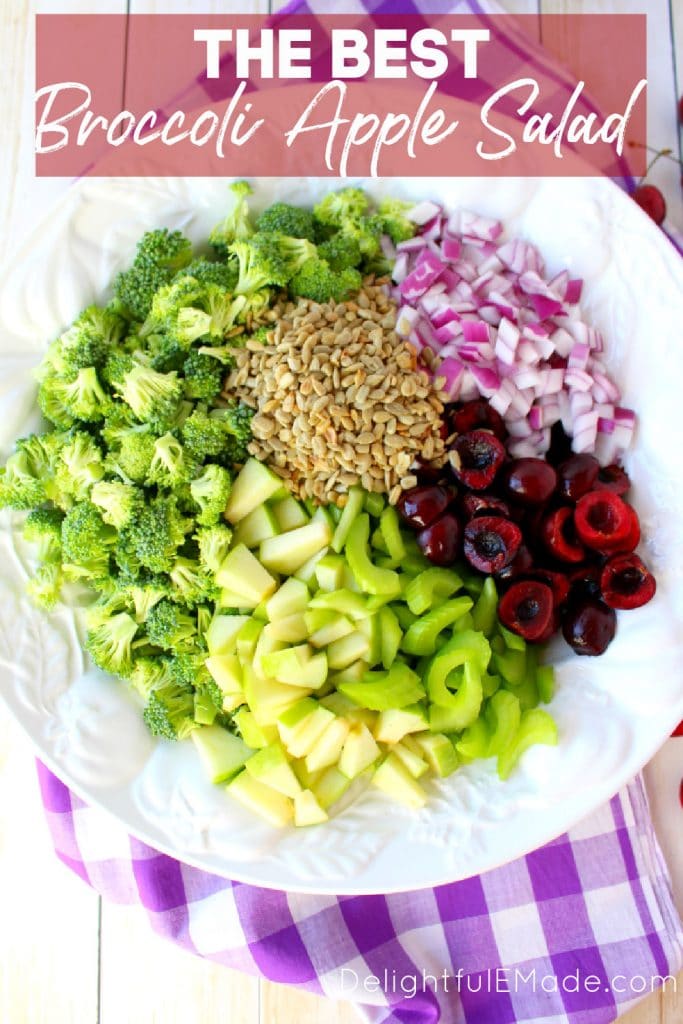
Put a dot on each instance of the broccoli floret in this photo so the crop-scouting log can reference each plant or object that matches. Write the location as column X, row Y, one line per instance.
column 50, row 404
column 392, row 214
column 160, row 255
column 188, row 668
column 170, row 627
column 155, row 534
column 145, row 596
column 118, row 364
column 154, row 397
column 222, row 434
column 45, row 586
column 217, row 315
column 133, row 458
column 20, row 487
column 169, row 711
column 262, row 262
column 91, row 337
column 203, row 435
column 85, row 535
column 236, row 225
column 170, row 465
column 203, row 376
column 222, row 273
column 316, row 280
column 80, row 465
column 340, row 251
column 118, row 502
column 110, row 643
column 81, row 395
column 287, row 220
column 43, row 527
column 337, row 207
column 255, row 306
column 210, row 491
column 148, row 674
column 366, row 232
column 191, row 583
column 214, row 544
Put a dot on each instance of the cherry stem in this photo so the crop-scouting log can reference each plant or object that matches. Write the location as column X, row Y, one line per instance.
column 668, row 153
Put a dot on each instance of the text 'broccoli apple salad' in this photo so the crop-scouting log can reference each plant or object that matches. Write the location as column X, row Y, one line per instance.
column 332, row 487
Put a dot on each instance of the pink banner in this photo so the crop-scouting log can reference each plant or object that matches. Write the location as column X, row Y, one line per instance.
column 338, row 95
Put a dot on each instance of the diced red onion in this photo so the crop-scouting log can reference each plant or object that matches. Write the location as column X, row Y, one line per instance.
column 423, row 212
column 453, row 373
column 406, row 319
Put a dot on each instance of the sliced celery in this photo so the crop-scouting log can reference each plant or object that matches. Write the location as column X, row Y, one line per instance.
column 430, row 586
column 371, row 578
column 484, row 611
column 503, row 714
column 350, row 513
column 391, row 531
column 381, row 691
column 545, row 681
column 422, row 636
column 536, row 726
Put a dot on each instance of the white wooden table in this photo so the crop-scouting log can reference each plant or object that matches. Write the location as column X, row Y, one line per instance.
column 65, row 957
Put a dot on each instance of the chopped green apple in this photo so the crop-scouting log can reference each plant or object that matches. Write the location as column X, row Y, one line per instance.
column 259, row 525
column 221, row 636
column 304, row 737
column 307, row 810
column 290, row 599
column 415, row 764
column 243, row 574
column 395, row 723
column 330, row 572
column 267, row 802
column 307, row 779
column 344, row 601
column 229, row 600
column 289, row 514
column 270, row 766
column 254, row 485
column 353, row 673
column 289, row 551
column 254, row 735
column 286, row 663
column 439, row 753
column 268, row 698
column 266, row 645
column 330, row 786
column 306, row 572
column 226, row 670
column 393, row 778
column 342, row 653
column 327, row 750
column 291, row 630
column 221, row 753
column 337, row 627
column 247, row 639
column 360, row 751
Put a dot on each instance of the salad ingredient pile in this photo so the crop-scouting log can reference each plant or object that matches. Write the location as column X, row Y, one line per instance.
column 340, row 399
column 294, row 507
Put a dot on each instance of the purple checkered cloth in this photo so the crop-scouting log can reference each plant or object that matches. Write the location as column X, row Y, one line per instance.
column 574, row 932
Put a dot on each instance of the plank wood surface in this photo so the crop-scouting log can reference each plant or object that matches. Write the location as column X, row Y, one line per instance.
column 64, row 957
